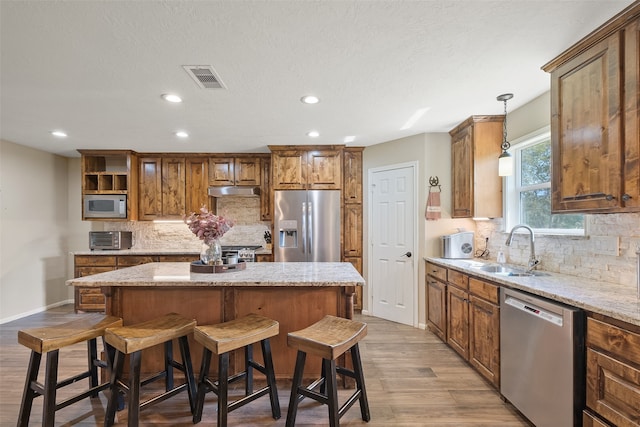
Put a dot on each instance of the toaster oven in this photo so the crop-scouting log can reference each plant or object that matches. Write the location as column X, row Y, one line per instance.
column 110, row 240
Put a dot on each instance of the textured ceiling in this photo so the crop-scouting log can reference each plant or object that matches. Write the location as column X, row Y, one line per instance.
column 96, row 69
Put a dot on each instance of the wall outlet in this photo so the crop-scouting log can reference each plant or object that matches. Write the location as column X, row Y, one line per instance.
column 605, row 245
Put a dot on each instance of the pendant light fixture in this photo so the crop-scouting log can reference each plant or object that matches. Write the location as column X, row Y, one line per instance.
column 505, row 161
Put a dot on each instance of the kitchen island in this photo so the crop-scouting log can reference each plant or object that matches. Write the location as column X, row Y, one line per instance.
column 296, row 294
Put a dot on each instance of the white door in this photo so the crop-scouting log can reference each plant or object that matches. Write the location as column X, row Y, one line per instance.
column 392, row 277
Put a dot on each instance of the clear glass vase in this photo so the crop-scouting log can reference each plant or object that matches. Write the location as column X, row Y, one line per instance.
column 211, row 254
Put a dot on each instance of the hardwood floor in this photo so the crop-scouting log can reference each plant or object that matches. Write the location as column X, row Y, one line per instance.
column 412, row 379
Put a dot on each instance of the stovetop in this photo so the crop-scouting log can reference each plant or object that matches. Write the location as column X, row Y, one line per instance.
column 238, row 247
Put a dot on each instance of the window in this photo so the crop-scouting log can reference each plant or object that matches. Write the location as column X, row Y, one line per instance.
column 528, row 191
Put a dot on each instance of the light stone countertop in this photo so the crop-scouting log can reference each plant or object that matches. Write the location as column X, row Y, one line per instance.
column 617, row 300
column 270, row 274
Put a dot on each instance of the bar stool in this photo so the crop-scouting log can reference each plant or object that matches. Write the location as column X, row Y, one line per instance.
column 50, row 340
column 132, row 340
column 223, row 338
column 328, row 338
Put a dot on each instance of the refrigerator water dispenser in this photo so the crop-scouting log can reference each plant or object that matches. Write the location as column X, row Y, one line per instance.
column 288, row 234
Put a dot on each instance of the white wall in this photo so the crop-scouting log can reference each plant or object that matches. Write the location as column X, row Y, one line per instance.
column 433, row 154
column 36, row 232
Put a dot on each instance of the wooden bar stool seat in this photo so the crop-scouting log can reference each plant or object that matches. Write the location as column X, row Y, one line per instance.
column 223, row 338
column 131, row 340
column 328, row 338
column 49, row 341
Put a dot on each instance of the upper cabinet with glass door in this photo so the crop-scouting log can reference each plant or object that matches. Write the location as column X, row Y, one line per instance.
column 595, row 116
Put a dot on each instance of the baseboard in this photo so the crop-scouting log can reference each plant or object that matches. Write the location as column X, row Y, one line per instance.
column 37, row 310
column 422, row 326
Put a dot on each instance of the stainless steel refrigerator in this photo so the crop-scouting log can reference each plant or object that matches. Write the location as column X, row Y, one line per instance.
column 306, row 225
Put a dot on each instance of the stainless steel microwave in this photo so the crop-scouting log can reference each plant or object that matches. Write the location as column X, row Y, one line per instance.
column 105, row 206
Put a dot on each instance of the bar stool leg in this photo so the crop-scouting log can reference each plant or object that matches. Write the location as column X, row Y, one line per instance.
column 92, row 356
column 332, row 392
column 134, row 388
column 296, row 383
column 168, row 369
column 223, row 389
column 28, row 394
column 112, row 404
column 248, row 357
column 202, row 385
column 50, row 382
column 188, row 367
column 357, row 369
column 271, row 378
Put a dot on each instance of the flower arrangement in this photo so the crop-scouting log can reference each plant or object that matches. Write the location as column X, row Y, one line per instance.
column 208, row 226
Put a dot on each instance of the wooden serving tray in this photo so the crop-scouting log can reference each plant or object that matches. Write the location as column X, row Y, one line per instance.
column 199, row 267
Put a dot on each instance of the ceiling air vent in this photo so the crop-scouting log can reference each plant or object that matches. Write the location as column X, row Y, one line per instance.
column 205, row 76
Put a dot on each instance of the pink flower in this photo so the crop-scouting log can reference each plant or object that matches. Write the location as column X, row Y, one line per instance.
column 207, row 226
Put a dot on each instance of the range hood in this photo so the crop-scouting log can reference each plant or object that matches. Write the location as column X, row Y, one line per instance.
column 234, row 191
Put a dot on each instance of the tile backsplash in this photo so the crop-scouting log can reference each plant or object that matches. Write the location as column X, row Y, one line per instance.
column 245, row 211
column 606, row 253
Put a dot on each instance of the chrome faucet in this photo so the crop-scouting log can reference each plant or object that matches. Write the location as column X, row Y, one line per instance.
column 533, row 262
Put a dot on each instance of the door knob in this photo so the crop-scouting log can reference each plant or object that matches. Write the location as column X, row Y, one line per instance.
column 408, row 254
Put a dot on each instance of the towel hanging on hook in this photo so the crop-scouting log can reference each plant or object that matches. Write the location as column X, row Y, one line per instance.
column 433, row 211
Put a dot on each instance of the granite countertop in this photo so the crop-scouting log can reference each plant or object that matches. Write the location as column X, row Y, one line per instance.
column 617, row 300
column 270, row 274
column 135, row 251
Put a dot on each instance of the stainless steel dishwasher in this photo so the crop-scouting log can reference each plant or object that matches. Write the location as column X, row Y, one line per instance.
column 542, row 370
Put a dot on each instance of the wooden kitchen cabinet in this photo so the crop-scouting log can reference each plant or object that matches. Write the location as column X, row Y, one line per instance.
column 92, row 299
column 352, row 212
column 484, row 329
column 595, row 116
column 266, row 192
column 111, row 172
column 476, row 189
column 172, row 186
column 234, row 171
column 436, row 278
column 613, row 373
column 196, row 184
column 311, row 167
column 472, row 318
column 458, row 320
column 352, row 188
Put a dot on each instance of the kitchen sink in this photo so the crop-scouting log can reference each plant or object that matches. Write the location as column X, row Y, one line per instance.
column 509, row 271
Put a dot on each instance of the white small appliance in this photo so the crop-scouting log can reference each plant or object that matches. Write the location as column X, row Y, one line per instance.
column 457, row 245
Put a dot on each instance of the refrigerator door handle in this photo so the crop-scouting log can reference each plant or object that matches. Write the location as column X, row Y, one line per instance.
column 310, row 226
column 304, row 227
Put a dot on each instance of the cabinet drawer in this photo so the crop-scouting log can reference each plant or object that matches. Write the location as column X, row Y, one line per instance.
column 88, row 271
column 484, row 290
column 437, row 271
column 129, row 260
column 589, row 420
column 95, row 260
column 459, row 279
column 622, row 343
column 91, row 296
column 613, row 389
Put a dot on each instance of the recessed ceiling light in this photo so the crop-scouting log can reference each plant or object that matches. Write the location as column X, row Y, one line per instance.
column 59, row 133
column 313, row 134
column 349, row 138
column 182, row 134
column 310, row 99
column 171, row 98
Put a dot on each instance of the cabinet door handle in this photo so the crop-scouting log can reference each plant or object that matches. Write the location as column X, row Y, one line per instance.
column 609, row 197
column 626, row 197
